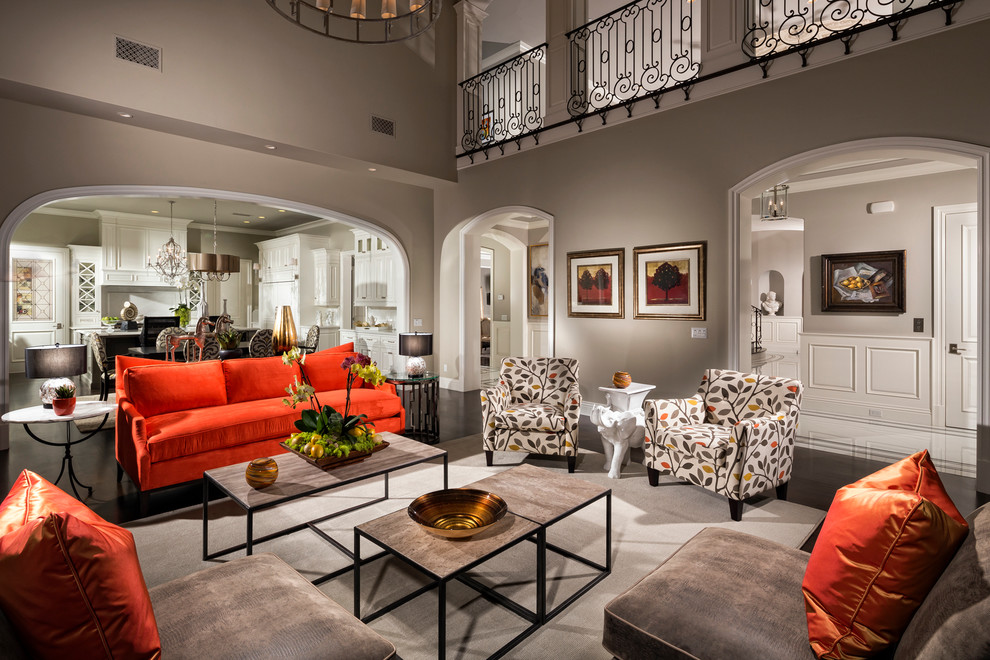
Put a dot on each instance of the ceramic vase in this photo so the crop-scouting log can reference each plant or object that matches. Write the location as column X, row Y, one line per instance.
column 261, row 472
column 284, row 333
column 621, row 379
column 64, row 406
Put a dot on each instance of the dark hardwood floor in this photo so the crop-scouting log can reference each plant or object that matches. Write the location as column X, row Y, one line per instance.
column 816, row 477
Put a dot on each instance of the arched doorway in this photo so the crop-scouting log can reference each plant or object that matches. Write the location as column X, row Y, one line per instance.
column 740, row 201
column 458, row 296
column 23, row 210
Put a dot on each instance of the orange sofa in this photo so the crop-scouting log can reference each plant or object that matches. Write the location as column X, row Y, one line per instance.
column 174, row 421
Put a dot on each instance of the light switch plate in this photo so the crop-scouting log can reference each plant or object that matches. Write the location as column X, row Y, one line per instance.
column 418, row 323
column 501, row 296
column 699, row 333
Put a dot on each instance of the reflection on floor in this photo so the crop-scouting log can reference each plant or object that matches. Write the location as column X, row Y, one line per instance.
column 952, row 450
column 489, row 375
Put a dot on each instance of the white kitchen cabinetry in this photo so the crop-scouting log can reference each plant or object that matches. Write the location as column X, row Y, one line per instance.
column 381, row 347
column 374, row 271
column 86, row 280
column 287, row 275
column 326, row 271
column 329, row 337
column 126, row 242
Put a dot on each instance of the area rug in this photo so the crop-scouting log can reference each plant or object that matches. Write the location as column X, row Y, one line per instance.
column 92, row 423
column 648, row 525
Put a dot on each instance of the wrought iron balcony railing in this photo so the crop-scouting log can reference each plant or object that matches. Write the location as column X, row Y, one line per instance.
column 639, row 50
column 781, row 26
column 506, row 101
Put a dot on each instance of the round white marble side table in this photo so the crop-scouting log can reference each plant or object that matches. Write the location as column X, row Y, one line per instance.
column 42, row 415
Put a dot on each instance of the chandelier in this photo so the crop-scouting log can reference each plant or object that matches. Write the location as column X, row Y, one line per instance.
column 773, row 203
column 171, row 261
column 215, row 267
column 362, row 21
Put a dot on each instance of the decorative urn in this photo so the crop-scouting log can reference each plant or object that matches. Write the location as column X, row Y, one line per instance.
column 261, row 472
column 621, row 379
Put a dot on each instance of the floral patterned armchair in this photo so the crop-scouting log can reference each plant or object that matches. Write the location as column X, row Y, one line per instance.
column 535, row 408
column 735, row 437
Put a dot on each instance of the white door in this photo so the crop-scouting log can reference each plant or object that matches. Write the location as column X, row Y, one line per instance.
column 961, row 293
column 39, row 298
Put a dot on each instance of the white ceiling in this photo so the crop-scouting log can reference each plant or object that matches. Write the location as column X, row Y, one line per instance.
column 245, row 215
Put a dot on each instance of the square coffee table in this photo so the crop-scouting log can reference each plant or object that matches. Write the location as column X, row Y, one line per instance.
column 536, row 499
column 298, row 478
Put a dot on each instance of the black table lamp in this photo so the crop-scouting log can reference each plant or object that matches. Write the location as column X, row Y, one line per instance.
column 56, row 363
column 415, row 345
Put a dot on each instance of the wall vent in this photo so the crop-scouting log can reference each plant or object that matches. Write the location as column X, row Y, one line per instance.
column 132, row 51
column 383, row 126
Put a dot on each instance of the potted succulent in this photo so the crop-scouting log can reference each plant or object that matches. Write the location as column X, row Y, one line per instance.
column 64, row 402
column 183, row 311
column 229, row 339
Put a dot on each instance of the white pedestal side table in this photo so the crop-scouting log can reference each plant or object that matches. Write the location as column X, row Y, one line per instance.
column 42, row 415
column 621, row 422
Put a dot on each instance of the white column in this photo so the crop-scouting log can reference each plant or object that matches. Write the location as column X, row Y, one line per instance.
column 470, row 14
column 562, row 17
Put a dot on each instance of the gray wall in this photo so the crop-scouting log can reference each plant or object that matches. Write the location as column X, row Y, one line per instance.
column 664, row 179
column 836, row 221
column 781, row 251
column 57, row 230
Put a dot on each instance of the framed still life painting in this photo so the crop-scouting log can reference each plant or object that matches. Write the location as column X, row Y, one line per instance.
column 539, row 279
column 594, row 283
column 863, row 282
column 670, row 281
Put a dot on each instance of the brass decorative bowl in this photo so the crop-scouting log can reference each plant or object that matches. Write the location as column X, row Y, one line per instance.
column 457, row 513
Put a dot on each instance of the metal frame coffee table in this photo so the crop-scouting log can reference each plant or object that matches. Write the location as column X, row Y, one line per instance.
column 536, row 499
column 297, row 478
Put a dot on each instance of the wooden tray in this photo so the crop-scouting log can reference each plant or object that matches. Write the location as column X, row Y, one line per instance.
column 330, row 462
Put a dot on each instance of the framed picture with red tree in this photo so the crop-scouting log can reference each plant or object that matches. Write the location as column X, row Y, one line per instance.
column 670, row 281
column 594, row 283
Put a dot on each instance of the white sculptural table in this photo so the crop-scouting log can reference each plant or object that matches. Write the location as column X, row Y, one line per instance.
column 621, row 422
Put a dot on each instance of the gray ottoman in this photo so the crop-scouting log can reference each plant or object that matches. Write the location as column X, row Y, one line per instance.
column 258, row 607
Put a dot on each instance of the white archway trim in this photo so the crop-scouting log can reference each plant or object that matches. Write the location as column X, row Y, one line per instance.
column 469, row 352
column 28, row 206
column 975, row 154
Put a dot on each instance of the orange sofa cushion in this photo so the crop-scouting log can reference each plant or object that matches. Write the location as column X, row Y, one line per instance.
column 883, row 545
column 72, row 584
column 324, row 371
column 258, row 378
column 159, row 389
column 343, row 348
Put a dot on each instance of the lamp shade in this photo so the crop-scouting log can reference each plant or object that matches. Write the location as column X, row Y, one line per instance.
column 55, row 361
column 415, row 344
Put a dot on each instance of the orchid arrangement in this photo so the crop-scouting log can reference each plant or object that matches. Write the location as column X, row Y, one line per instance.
column 322, row 429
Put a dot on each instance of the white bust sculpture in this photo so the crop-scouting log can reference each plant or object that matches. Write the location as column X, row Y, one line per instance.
column 771, row 305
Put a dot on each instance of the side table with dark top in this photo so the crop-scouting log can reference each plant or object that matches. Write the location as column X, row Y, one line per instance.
column 42, row 415
column 420, row 396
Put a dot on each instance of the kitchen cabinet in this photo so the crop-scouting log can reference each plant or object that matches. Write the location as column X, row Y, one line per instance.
column 381, row 347
column 287, row 277
column 326, row 272
column 86, row 285
column 128, row 240
column 329, row 337
column 374, row 271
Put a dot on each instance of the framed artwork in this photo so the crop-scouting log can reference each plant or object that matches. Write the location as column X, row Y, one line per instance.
column 594, row 283
column 670, row 281
column 863, row 282
column 539, row 279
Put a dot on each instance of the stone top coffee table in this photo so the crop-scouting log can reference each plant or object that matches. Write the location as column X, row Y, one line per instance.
column 298, row 478
column 536, row 499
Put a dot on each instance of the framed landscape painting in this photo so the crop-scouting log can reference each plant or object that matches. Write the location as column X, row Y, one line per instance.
column 670, row 281
column 539, row 279
column 863, row 282
column 594, row 283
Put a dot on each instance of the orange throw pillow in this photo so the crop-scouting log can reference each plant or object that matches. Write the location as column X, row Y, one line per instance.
column 72, row 585
column 883, row 545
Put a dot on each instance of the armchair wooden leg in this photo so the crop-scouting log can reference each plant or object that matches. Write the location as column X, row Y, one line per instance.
column 571, row 462
column 782, row 491
column 489, row 457
column 653, row 476
column 735, row 509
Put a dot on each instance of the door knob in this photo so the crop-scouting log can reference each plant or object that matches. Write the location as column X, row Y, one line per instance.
column 955, row 350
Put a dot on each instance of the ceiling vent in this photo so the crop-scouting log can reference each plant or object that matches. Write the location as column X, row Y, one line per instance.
column 382, row 126
column 138, row 53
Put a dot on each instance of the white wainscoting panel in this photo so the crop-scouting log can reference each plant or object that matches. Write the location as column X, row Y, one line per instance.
column 501, row 341
column 782, row 334
column 831, row 367
column 868, row 377
column 539, row 340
